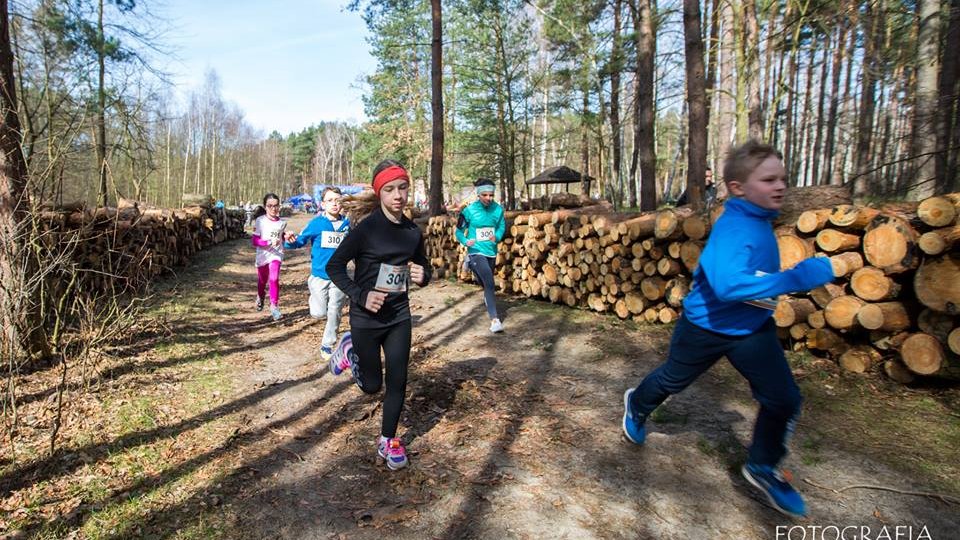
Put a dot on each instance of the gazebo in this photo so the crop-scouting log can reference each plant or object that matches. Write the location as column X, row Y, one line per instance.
column 557, row 175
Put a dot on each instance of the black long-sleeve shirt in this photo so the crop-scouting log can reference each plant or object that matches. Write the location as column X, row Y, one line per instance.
column 375, row 241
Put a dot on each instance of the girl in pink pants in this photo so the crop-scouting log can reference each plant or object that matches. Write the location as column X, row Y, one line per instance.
column 268, row 237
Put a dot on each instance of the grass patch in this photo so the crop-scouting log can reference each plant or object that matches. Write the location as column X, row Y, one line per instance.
column 135, row 414
column 113, row 490
column 809, row 450
column 914, row 431
column 663, row 415
column 726, row 450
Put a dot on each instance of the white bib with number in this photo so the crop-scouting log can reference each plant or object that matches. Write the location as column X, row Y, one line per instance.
column 392, row 278
column 486, row 234
column 764, row 303
column 331, row 239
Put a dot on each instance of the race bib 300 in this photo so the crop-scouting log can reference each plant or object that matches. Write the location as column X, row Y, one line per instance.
column 486, row 234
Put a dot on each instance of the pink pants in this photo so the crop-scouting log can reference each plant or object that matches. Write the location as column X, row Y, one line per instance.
column 269, row 272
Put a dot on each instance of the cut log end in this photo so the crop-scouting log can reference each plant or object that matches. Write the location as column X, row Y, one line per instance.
column 922, row 354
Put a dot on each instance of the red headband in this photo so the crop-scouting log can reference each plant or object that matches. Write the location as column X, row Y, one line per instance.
column 391, row 173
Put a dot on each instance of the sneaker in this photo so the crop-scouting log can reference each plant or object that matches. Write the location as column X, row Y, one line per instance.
column 340, row 356
column 778, row 491
column 259, row 303
column 326, row 353
column 275, row 312
column 635, row 432
column 496, row 326
column 393, row 452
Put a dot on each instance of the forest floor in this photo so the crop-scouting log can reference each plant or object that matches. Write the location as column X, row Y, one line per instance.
column 216, row 422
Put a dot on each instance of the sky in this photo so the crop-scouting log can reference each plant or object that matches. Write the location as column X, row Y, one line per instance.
column 287, row 64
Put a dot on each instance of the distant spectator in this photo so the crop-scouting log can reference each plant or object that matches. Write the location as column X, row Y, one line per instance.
column 710, row 190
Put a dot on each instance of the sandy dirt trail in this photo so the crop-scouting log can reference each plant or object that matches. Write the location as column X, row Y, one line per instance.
column 515, row 435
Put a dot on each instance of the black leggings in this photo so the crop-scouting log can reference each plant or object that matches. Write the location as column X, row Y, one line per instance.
column 395, row 342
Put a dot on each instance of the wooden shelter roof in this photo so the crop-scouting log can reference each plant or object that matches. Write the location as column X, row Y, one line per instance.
column 558, row 175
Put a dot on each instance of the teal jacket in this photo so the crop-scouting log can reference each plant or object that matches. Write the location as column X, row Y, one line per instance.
column 476, row 216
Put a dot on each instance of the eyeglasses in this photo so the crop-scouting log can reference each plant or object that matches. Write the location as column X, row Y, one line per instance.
column 273, row 206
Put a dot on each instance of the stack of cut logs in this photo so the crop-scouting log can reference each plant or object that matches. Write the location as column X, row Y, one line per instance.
column 127, row 246
column 895, row 302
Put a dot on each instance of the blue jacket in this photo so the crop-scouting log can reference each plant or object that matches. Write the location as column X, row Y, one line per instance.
column 477, row 216
column 319, row 254
column 741, row 263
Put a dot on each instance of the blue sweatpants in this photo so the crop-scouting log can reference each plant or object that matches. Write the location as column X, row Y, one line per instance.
column 757, row 356
column 483, row 267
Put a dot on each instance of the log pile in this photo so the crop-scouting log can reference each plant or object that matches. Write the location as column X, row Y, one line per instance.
column 895, row 304
column 127, row 246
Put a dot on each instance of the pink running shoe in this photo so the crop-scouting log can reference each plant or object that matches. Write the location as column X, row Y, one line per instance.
column 340, row 359
column 393, row 452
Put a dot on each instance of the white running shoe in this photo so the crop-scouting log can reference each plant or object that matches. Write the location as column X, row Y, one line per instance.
column 393, row 452
column 275, row 312
column 496, row 326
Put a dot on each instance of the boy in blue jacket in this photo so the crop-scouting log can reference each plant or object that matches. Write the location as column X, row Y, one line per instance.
column 728, row 313
column 325, row 232
column 480, row 227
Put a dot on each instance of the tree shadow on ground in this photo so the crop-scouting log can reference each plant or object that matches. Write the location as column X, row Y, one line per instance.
column 241, row 438
column 433, row 394
column 57, row 463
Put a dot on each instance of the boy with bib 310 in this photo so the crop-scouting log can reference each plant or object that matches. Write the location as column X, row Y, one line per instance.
column 325, row 232
column 728, row 313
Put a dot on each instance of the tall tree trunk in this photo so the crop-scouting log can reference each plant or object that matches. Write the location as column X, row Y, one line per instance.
column 585, row 142
column 948, row 131
column 510, row 123
column 710, row 82
column 873, row 33
column 804, row 146
column 776, row 42
column 601, row 148
column 166, row 168
column 648, row 105
column 21, row 317
column 926, row 99
column 848, row 112
column 834, row 98
column 696, row 98
column 948, row 95
column 101, row 109
column 616, row 67
column 752, row 34
column 186, row 159
column 749, row 73
column 436, row 106
column 891, row 112
column 821, row 100
column 789, row 135
column 726, row 106
column 644, row 111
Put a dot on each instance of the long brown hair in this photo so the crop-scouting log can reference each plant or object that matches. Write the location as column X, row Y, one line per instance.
column 362, row 204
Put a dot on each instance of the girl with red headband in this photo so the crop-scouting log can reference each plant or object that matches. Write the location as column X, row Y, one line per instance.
column 387, row 249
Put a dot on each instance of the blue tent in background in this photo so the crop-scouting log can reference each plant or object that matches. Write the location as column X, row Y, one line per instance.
column 345, row 189
column 298, row 201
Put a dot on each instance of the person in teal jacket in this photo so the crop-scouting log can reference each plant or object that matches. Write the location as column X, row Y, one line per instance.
column 480, row 227
column 324, row 232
